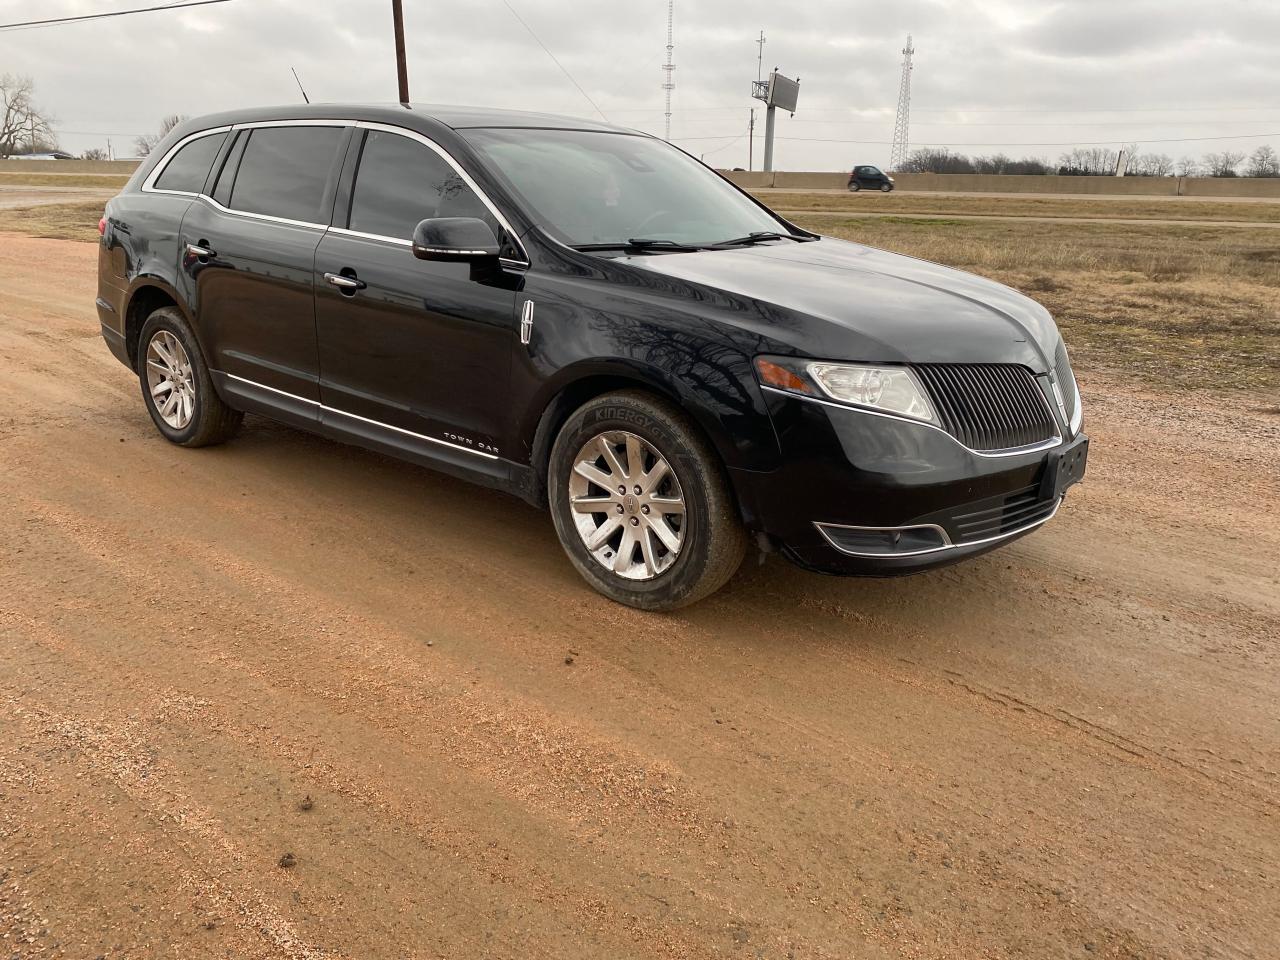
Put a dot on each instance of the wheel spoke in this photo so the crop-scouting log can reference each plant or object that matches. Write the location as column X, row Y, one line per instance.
column 161, row 387
column 667, row 505
column 595, row 475
column 635, row 457
column 649, row 554
column 664, row 533
column 625, row 551
column 611, row 458
column 655, row 476
column 603, row 533
column 170, row 402
column 592, row 504
column 162, row 351
column 186, row 405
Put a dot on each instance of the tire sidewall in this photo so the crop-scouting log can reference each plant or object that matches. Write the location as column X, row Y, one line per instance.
column 634, row 415
column 171, row 320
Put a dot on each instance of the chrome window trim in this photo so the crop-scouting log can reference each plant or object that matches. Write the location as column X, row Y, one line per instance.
column 148, row 185
column 919, row 553
column 1049, row 444
column 457, row 168
column 324, row 408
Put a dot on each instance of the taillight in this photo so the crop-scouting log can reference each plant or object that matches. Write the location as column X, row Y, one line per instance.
column 102, row 227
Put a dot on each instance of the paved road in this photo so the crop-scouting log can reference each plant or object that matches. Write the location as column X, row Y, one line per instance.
column 211, row 659
column 1123, row 197
column 1133, row 221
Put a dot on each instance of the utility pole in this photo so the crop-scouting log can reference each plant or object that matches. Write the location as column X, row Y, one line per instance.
column 669, row 68
column 402, row 68
column 751, row 140
column 769, row 112
column 760, row 58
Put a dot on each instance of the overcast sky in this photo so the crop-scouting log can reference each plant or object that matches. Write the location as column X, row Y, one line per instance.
column 1019, row 76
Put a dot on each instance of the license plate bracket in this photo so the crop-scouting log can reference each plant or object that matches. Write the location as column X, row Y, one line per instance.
column 1064, row 467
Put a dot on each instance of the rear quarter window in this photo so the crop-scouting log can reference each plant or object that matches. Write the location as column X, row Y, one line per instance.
column 284, row 171
column 187, row 169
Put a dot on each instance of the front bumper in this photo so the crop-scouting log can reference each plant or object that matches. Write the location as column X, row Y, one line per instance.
column 847, row 474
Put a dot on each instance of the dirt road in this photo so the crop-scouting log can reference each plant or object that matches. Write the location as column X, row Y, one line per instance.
column 1069, row 748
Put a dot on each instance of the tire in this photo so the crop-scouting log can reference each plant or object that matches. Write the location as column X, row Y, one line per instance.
column 886, row 188
column 854, row 187
column 168, row 353
column 711, row 541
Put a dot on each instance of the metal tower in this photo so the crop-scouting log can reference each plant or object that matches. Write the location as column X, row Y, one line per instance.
column 902, row 125
column 669, row 68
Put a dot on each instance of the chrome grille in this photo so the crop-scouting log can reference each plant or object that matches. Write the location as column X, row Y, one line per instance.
column 988, row 406
column 1066, row 382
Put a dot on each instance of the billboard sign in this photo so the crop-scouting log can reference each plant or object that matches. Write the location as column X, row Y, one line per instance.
column 783, row 92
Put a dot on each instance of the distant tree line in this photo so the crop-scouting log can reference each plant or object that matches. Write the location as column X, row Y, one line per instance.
column 1099, row 162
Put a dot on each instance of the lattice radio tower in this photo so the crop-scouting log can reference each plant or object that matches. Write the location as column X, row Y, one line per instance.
column 902, row 125
column 669, row 68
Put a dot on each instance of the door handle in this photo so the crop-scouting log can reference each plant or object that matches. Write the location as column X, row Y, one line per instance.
column 200, row 250
column 345, row 283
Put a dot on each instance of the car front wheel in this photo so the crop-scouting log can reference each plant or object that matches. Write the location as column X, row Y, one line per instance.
column 886, row 187
column 641, row 504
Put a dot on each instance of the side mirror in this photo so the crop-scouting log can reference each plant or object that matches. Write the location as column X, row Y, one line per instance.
column 465, row 239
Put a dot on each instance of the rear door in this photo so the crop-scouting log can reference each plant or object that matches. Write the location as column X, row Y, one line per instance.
column 249, row 252
column 422, row 347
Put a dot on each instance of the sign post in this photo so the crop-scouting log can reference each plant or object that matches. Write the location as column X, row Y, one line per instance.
column 777, row 91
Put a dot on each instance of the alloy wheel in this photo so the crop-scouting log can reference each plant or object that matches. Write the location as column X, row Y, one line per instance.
column 171, row 380
column 627, row 505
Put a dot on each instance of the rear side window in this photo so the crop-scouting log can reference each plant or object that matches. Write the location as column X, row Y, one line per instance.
column 284, row 170
column 402, row 181
column 188, row 168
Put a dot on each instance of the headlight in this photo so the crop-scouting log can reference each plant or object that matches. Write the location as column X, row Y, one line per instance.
column 888, row 389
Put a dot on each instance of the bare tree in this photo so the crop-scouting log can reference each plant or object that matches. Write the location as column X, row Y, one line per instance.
column 1224, row 164
column 1151, row 165
column 94, row 153
column 936, row 160
column 148, row 142
column 1093, row 162
column 23, row 125
column 1189, row 167
column 1263, row 162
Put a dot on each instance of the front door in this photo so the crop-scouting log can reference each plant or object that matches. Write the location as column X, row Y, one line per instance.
column 420, row 346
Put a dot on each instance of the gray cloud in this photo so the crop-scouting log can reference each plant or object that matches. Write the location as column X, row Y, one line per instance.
column 991, row 75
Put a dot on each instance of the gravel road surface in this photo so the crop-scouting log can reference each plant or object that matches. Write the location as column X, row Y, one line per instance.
column 289, row 699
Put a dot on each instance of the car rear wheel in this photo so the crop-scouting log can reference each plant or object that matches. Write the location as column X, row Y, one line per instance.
column 641, row 504
column 854, row 187
column 176, row 386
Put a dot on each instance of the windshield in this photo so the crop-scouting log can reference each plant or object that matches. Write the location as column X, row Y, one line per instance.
column 586, row 188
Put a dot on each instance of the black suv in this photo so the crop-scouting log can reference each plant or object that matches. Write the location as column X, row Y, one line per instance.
column 590, row 319
column 869, row 178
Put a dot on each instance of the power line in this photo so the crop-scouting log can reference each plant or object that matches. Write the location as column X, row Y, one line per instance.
column 553, row 57
column 100, row 16
column 984, row 143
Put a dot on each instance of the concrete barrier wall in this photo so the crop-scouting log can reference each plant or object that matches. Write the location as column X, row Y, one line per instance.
column 1225, row 187
column 119, row 168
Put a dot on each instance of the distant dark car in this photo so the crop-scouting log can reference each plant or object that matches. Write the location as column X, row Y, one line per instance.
column 590, row 319
column 869, row 178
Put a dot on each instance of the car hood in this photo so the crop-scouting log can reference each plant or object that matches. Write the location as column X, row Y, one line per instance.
column 838, row 300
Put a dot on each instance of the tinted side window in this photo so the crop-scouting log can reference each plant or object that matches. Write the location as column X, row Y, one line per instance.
column 401, row 181
column 190, row 165
column 227, row 175
column 284, row 170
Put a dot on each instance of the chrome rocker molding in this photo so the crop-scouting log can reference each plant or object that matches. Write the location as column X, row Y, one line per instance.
column 356, row 416
column 946, row 545
column 1049, row 444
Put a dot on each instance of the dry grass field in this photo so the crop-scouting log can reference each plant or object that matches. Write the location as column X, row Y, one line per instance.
column 1013, row 205
column 107, row 181
column 1197, row 307
column 1192, row 306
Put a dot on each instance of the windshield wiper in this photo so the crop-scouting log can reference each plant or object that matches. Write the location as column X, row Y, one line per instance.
column 640, row 244
column 759, row 236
